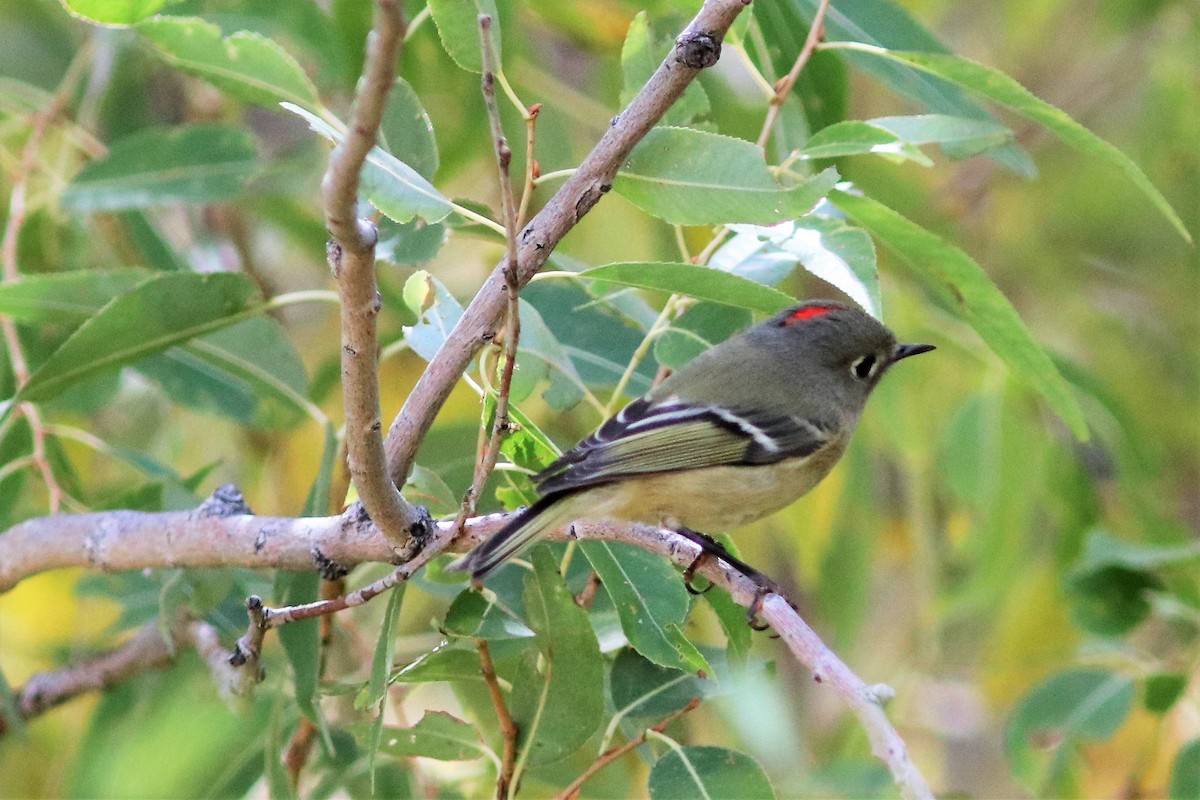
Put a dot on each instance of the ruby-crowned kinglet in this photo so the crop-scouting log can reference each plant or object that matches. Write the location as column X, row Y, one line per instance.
column 737, row 433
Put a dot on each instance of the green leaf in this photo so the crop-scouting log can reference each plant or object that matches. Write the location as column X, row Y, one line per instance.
column 385, row 648
column 436, row 309
column 525, row 445
column 962, row 285
column 426, row 487
column 160, row 313
column 642, row 689
column 650, row 600
column 65, row 297
column 1062, row 712
column 540, row 357
column 407, row 130
column 856, row 137
column 1112, row 600
column 473, row 616
column 839, row 254
column 713, row 773
column 114, row 12
column 437, row 735
column 704, row 283
column 889, row 25
column 1163, row 691
column 1185, row 775
column 700, row 327
column 1103, row 550
column 410, row 242
column 440, row 664
column 248, row 372
column 458, row 26
column 557, row 699
column 392, row 186
column 959, row 137
column 641, row 55
column 192, row 164
column 689, row 177
column 246, row 65
column 1001, row 89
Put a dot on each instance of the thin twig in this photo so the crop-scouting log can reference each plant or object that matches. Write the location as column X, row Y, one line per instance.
column 532, row 170
column 612, row 754
column 696, row 48
column 17, row 211
column 351, row 253
column 149, row 649
column 512, row 328
column 783, row 87
column 508, row 728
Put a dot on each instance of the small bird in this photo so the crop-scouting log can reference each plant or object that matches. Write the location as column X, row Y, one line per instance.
column 739, row 432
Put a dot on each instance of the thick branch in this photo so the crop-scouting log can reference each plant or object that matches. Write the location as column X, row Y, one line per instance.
column 351, row 253
column 698, row 47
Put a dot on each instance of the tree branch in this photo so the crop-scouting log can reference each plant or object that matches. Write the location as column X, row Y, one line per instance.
column 132, row 540
column 149, row 649
column 698, row 47
column 351, row 253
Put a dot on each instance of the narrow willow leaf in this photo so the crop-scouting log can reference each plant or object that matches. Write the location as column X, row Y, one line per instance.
column 703, row 283
column 407, row 130
column 540, row 357
column 65, row 297
column 160, row 313
column 700, row 327
column 472, row 616
column 713, row 773
column 114, row 12
column 639, row 688
column 249, row 372
column 385, row 648
column 649, row 597
column 246, row 65
column 192, row 164
column 960, row 137
column 458, row 27
column 437, row 735
column 690, row 177
column 887, row 24
column 963, row 286
column 440, row 664
column 392, row 186
column 856, row 137
column 1001, row 89
column 558, row 696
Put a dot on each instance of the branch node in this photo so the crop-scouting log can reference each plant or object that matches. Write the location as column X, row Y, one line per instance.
column 697, row 49
column 225, row 501
column 881, row 693
column 327, row 568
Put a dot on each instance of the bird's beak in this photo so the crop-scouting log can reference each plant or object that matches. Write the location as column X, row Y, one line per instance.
column 906, row 350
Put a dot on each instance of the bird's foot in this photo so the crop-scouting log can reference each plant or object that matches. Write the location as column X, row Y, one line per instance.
column 689, row 574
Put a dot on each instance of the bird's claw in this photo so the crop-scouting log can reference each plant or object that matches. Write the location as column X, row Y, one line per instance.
column 689, row 575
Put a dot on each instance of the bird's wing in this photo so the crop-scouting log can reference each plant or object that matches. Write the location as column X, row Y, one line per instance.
column 646, row 437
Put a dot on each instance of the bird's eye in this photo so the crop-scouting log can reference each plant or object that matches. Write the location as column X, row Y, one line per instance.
column 864, row 367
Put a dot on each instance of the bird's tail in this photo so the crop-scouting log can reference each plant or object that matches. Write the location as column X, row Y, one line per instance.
column 530, row 523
